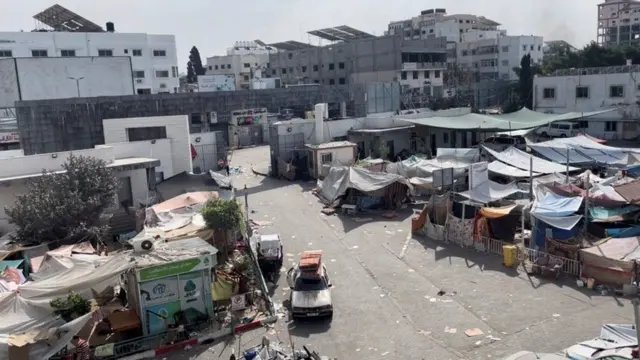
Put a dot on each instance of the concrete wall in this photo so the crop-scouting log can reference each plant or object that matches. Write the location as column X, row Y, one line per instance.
column 210, row 147
column 139, row 185
column 8, row 193
column 139, row 47
column 41, row 128
column 177, row 129
column 34, row 164
column 161, row 149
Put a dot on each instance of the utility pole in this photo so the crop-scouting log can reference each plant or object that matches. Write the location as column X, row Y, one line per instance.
column 636, row 314
column 77, row 80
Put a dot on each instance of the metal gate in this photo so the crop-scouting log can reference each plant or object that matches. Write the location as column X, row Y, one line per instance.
column 249, row 135
column 206, row 158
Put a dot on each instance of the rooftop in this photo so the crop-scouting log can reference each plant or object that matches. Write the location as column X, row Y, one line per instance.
column 332, row 145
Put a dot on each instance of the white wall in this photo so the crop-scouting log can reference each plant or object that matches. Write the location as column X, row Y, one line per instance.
column 48, row 78
column 599, row 98
column 177, row 128
column 21, row 44
column 34, row 164
column 160, row 150
column 139, row 186
column 235, row 65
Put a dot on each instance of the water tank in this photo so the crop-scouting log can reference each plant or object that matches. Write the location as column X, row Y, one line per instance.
column 110, row 27
column 441, row 11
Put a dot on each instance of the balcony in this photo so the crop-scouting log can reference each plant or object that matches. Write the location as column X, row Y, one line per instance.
column 408, row 66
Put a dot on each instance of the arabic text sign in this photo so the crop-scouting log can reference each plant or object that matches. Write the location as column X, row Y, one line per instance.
column 174, row 268
column 159, row 291
column 6, row 138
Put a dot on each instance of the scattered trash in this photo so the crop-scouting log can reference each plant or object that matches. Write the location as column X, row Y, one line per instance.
column 389, row 232
column 381, row 295
column 433, row 299
column 556, row 315
column 293, row 236
column 328, row 211
column 260, row 222
column 390, row 215
column 187, row 347
column 384, row 353
column 450, row 330
column 289, row 255
column 355, row 247
column 358, row 349
column 478, row 342
column 493, row 338
column 446, row 301
column 422, row 332
column 441, row 292
column 310, row 244
column 333, row 260
column 411, row 270
column 359, row 220
column 473, row 332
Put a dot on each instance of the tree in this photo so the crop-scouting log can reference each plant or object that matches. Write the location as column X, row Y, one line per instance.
column 525, row 81
column 592, row 55
column 222, row 214
column 65, row 206
column 191, row 74
column 196, row 61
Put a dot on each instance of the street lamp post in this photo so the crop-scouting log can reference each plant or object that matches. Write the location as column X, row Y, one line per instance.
column 77, row 80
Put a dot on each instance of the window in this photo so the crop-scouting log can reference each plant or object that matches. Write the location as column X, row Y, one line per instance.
column 246, row 65
column 445, row 137
column 147, row 133
column 284, row 71
column 291, row 70
column 316, row 81
column 403, row 75
column 539, row 47
column 246, row 77
column 549, row 93
column 436, row 74
column 228, row 66
column 342, row 81
column 531, row 47
column 290, row 56
column 415, row 75
column 304, row 69
column 136, row 52
column 126, row 51
column 67, row 53
column 174, row 71
column 326, row 158
column 159, row 53
column 143, row 91
column 505, row 48
column 39, row 53
column 524, row 47
column 332, row 81
column 138, row 74
column 426, row 74
column 616, row 91
column 163, row 86
column 315, row 67
column 6, row 53
column 505, row 62
column 611, row 126
column 105, row 52
column 341, row 65
column 582, row 92
column 162, row 73
column 273, row 71
column 215, row 67
column 332, row 66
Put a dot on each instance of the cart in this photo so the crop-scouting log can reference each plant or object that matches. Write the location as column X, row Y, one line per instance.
column 270, row 255
column 547, row 266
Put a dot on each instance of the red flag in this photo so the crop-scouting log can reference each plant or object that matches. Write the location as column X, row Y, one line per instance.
column 194, row 153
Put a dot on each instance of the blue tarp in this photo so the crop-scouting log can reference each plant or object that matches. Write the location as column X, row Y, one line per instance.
column 615, row 214
column 540, row 229
column 623, row 232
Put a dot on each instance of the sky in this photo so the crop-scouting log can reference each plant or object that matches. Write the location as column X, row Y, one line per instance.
column 214, row 26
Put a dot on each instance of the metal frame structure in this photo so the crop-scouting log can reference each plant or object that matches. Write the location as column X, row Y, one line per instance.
column 61, row 19
column 291, row 45
column 341, row 33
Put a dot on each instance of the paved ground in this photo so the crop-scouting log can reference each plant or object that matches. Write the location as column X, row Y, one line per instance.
column 386, row 285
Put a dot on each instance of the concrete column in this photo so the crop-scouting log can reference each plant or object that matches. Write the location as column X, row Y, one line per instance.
column 319, row 121
column 343, row 109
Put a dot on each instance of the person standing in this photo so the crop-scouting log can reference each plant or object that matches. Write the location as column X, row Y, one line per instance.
column 82, row 351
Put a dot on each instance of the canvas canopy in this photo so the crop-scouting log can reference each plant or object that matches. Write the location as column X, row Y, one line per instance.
column 341, row 178
column 522, row 119
column 522, row 160
column 490, row 191
column 580, row 150
column 507, row 170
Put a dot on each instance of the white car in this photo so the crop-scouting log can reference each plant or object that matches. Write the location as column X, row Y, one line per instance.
column 561, row 129
column 530, row 355
column 310, row 294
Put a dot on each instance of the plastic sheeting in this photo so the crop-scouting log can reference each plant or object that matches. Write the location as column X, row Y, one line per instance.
column 341, row 178
column 506, row 170
column 580, row 150
column 522, row 119
column 548, row 203
column 522, row 160
column 490, row 191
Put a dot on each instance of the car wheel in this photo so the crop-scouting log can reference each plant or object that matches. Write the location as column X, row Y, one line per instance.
column 544, row 134
column 563, row 135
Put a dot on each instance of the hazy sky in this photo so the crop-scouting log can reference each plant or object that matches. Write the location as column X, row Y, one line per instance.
column 213, row 26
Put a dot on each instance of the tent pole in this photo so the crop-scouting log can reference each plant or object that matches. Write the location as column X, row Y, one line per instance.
column 566, row 178
column 531, row 178
column 586, row 202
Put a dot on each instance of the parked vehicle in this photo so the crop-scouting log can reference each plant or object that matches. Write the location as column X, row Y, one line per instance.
column 502, row 142
column 530, row 355
column 310, row 287
column 561, row 129
column 269, row 249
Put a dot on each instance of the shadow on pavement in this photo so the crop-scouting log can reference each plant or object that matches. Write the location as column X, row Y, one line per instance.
column 306, row 327
column 352, row 222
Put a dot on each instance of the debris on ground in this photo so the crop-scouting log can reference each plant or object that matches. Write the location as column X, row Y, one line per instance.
column 473, row 332
column 493, row 338
column 390, row 215
column 441, row 292
column 328, row 211
column 260, row 222
column 359, row 220
column 450, row 330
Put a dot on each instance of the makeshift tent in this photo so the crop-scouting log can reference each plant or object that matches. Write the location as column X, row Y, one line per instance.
column 490, row 191
column 500, row 168
column 459, row 231
column 612, row 261
column 548, row 203
column 522, row 119
column 522, row 160
column 580, row 150
column 497, row 223
column 437, row 210
column 612, row 336
column 341, row 178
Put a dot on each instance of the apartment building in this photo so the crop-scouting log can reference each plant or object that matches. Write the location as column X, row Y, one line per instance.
column 361, row 58
column 246, row 61
column 594, row 89
column 62, row 33
column 618, row 22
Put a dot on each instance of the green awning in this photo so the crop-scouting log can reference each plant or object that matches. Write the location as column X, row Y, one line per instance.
column 522, row 119
column 10, row 263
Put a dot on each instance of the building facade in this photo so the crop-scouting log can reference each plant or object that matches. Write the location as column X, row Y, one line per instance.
column 153, row 57
column 416, row 64
column 43, row 78
column 594, row 89
column 246, row 61
column 618, row 22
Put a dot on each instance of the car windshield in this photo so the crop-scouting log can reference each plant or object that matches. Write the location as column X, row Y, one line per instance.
column 310, row 284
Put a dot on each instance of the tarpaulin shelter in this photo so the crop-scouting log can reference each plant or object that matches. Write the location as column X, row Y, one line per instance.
column 612, row 261
column 437, row 211
column 521, row 160
column 490, row 191
column 522, row 119
column 612, row 336
column 581, row 150
column 419, row 170
column 497, row 222
column 342, row 178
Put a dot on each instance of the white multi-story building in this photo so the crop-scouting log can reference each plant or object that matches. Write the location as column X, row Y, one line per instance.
column 153, row 57
column 434, row 23
column 246, row 61
column 493, row 54
column 618, row 22
column 594, row 89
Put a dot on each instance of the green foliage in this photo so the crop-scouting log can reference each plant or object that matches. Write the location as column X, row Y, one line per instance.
column 525, row 81
column 194, row 66
column 70, row 307
column 66, row 205
column 223, row 214
column 592, row 55
column 191, row 73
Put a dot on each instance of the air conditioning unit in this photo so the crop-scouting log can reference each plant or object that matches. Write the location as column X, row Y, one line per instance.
column 144, row 244
column 139, row 81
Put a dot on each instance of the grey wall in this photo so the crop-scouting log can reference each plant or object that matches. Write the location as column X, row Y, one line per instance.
column 380, row 54
column 9, row 89
column 72, row 124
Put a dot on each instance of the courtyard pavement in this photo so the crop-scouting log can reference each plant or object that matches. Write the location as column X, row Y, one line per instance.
column 386, row 286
